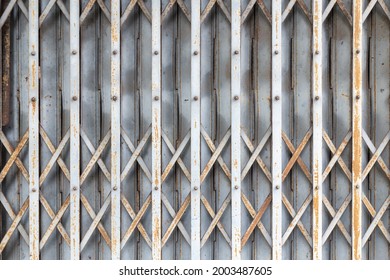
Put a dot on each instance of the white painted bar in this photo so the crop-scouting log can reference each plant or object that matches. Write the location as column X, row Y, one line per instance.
column 195, row 130
column 276, row 130
column 115, row 130
column 156, row 129
column 33, row 150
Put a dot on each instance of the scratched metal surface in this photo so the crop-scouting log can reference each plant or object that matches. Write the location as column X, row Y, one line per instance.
column 353, row 70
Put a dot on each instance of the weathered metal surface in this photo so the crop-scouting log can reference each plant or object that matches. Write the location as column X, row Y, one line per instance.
column 182, row 129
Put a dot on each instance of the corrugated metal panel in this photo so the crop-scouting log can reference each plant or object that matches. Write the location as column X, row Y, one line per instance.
column 179, row 129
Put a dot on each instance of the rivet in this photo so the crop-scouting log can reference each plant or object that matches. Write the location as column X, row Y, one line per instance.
column 276, row 52
column 75, row 188
column 236, row 97
column 277, row 187
column 277, row 97
column 236, row 187
column 236, row 52
column 114, row 98
column 196, row 188
column 358, row 51
column 114, row 52
column 196, row 98
column 33, row 189
column 155, row 52
column 33, row 99
column 74, row 98
column 316, row 187
column 115, row 188
column 357, row 96
column 357, row 186
column 317, row 52
column 156, row 188
column 317, row 97
column 33, row 53
column 156, row 98
column 74, row 52
column 196, row 52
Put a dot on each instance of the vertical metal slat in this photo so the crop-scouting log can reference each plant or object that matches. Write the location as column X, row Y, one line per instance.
column 276, row 130
column 317, row 128
column 156, row 130
column 75, row 129
column 115, row 130
column 357, row 131
column 33, row 86
column 195, row 130
column 236, row 128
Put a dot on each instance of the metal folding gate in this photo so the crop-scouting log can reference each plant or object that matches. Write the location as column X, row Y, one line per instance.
column 195, row 129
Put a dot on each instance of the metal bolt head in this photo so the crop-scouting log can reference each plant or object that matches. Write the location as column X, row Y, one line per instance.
column 358, row 97
column 316, row 187
column 317, row 97
column 74, row 52
column 236, row 52
column 156, row 98
column 277, row 187
column 196, row 52
column 114, row 98
column 357, row 186
column 277, row 97
column 156, row 188
column 155, row 52
column 357, row 51
column 317, row 52
column 276, row 52
column 75, row 188
column 114, row 52
column 236, row 187
column 33, row 99
column 33, row 189
column 196, row 98
column 115, row 188
column 33, row 53
column 74, row 98
column 196, row 188
column 236, row 97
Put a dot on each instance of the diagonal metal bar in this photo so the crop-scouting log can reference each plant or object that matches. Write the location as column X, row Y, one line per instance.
column 176, row 219
column 376, row 152
column 176, row 154
column 7, row 206
column 369, row 8
column 7, row 12
column 132, row 214
column 48, row 8
column 54, row 157
column 169, row 6
column 23, row 8
column 13, row 156
column 216, row 219
column 216, row 153
column 303, row 6
column 336, row 219
column 342, row 7
column 145, row 10
column 256, row 220
column 297, row 218
column 297, row 152
column 249, row 8
column 300, row 225
column 95, row 222
column 14, row 225
column 136, row 154
column 385, row 8
column 210, row 5
column 255, row 153
column 128, row 10
column 136, row 220
column 95, row 156
column 376, row 220
column 374, row 214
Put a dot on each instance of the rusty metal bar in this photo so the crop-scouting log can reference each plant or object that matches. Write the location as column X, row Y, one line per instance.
column 357, row 131
column 317, row 128
column 75, row 129
column 5, row 34
column 156, row 129
column 115, row 130
column 33, row 151
column 276, row 85
column 235, row 128
column 195, row 130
